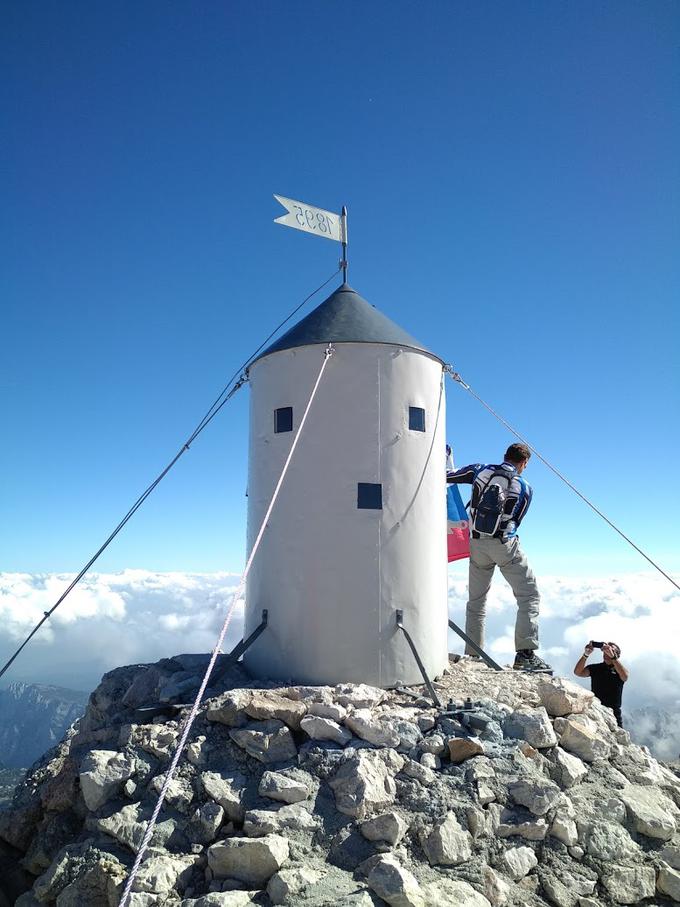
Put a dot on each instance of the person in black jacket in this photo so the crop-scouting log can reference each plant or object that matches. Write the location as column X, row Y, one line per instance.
column 606, row 678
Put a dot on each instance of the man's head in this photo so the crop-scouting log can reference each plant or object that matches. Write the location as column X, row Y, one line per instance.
column 610, row 652
column 518, row 455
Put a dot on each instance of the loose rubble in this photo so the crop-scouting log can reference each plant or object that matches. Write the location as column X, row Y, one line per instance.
column 522, row 792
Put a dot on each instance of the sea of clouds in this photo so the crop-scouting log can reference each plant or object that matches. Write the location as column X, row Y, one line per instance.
column 138, row 616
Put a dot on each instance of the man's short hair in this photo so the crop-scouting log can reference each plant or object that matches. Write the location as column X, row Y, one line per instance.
column 517, row 453
column 617, row 649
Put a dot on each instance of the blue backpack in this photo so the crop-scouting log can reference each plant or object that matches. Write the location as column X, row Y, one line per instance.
column 490, row 509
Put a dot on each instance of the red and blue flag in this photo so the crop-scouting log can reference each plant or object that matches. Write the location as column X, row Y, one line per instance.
column 457, row 532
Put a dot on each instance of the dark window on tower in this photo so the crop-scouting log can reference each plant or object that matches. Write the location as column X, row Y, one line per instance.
column 283, row 419
column 416, row 418
column 369, row 496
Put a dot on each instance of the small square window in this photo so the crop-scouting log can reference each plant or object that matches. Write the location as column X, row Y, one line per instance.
column 416, row 418
column 369, row 496
column 283, row 419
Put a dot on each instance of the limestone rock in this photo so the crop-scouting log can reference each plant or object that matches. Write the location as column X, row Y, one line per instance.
column 639, row 767
column 565, row 889
column 651, row 812
column 229, row 708
column 432, row 744
column 222, row 899
column 671, row 855
column 629, row 884
column 429, row 760
column 518, row 862
column 389, row 827
column 251, row 860
column 286, row 884
column 446, row 892
column 102, row 774
column 479, row 770
column 327, row 710
column 532, row 725
column 309, row 695
column 668, row 882
column 568, row 769
column 157, row 739
column 485, row 793
column 366, row 725
column 425, row 723
column 196, row 751
column 178, row 793
column 260, row 822
column 512, row 824
column 419, row 772
column 144, row 688
column 206, row 822
column 266, row 741
column 266, row 705
column 321, row 728
column 285, row 787
column 358, row 696
column 564, row 828
column 560, row 697
column 227, row 790
column 160, row 873
column 538, row 795
column 496, row 889
column 126, row 826
column 580, row 740
column 395, row 884
column 448, row 844
column 346, row 804
column 96, row 884
column 609, row 842
column 363, row 785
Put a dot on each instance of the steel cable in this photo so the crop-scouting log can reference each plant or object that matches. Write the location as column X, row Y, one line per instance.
column 457, row 378
column 205, row 421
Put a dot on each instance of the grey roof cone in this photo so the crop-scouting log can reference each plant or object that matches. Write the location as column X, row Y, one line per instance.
column 345, row 317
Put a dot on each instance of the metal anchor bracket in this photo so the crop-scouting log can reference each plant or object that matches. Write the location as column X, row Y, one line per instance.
column 421, row 666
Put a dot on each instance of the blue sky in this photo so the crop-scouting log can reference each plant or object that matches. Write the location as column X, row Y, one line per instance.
column 512, row 178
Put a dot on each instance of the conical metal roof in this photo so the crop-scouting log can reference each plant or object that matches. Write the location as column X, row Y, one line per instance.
column 345, row 317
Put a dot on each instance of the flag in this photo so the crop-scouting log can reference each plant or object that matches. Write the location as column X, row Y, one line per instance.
column 457, row 531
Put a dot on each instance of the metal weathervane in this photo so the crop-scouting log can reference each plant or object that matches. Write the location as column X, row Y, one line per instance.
column 323, row 223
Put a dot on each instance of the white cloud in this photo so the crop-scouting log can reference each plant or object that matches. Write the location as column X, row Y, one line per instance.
column 140, row 616
column 110, row 620
column 641, row 612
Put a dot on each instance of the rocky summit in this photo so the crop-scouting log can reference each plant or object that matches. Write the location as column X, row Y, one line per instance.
column 520, row 791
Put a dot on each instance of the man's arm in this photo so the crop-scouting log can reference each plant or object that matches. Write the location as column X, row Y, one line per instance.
column 464, row 476
column 616, row 664
column 620, row 670
column 522, row 503
column 580, row 668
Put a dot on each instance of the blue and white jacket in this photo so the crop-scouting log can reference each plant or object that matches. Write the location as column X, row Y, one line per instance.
column 519, row 493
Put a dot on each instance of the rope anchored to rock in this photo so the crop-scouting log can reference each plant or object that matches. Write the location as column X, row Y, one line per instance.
column 216, row 651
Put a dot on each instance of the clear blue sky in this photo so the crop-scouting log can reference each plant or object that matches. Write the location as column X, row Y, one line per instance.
column 512, row 177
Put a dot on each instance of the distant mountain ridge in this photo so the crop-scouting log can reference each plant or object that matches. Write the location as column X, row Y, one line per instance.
column 33, row 718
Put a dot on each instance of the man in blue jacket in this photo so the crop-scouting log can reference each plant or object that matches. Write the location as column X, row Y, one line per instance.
column 500, row 500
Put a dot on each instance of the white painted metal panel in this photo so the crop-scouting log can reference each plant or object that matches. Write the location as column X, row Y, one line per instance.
column 330, row 574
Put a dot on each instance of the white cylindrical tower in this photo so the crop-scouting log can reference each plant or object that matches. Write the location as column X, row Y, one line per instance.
column 359, row 528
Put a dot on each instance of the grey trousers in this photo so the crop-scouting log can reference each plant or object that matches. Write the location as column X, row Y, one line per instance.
column 485, row 555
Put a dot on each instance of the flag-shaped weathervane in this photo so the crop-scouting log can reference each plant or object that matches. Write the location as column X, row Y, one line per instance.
column 314, row 220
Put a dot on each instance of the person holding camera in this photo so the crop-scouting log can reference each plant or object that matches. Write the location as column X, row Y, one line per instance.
column 606, row 678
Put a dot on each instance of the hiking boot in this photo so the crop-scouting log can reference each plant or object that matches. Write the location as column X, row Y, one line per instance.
column 528, row 660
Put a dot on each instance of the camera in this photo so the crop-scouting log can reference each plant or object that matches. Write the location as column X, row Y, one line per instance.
column 596, row 645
